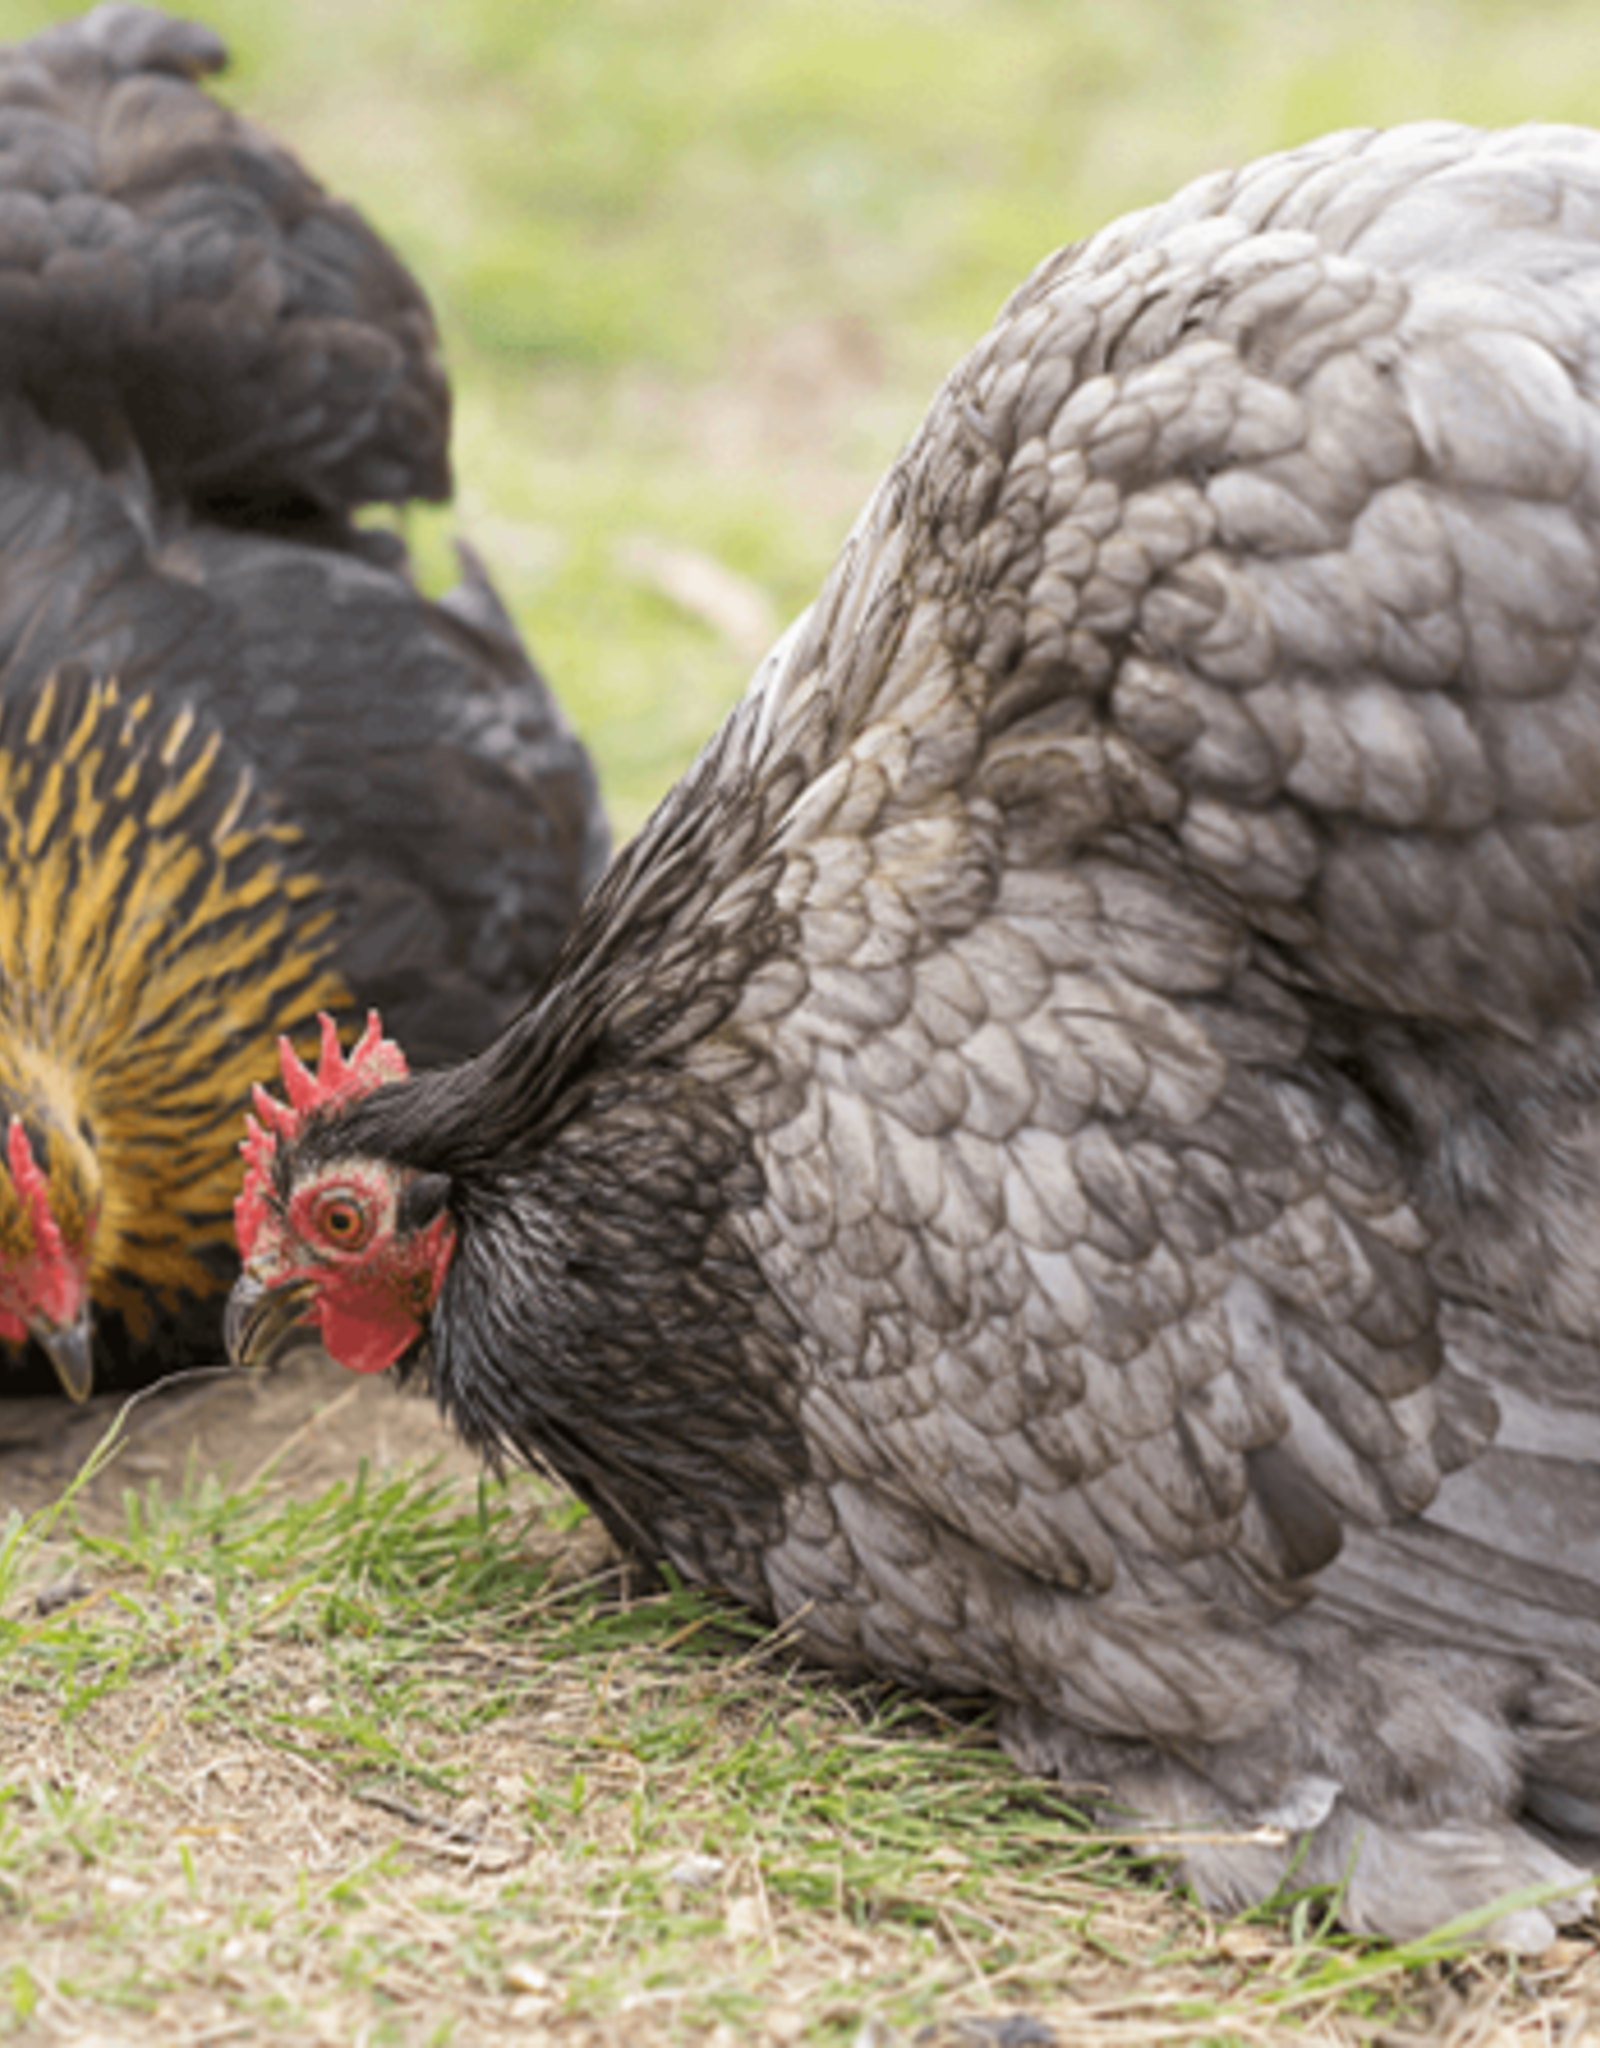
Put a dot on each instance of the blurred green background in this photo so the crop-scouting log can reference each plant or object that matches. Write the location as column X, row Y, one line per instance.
column 700, row 263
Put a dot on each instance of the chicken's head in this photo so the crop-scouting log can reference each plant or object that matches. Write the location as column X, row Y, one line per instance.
column 349, row 1250
column 49, row 1200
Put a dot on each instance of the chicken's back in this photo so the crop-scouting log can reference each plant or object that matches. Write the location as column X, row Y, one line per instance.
column 173, row 278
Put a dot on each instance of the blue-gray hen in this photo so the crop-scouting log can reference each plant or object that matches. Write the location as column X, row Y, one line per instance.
column 1066, row 1159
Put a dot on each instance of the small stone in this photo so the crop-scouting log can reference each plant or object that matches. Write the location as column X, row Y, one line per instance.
column 1002, row 2030
column 65, row 1592
column 524, row 1975
column 695, row 1873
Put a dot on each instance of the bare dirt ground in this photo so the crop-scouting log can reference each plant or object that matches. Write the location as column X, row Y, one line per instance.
column 300, row 1429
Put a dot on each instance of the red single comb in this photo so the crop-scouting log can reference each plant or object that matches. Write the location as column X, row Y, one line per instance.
column 373, row 1062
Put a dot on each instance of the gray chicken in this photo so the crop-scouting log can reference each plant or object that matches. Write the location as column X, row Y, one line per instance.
column 1065, row 1161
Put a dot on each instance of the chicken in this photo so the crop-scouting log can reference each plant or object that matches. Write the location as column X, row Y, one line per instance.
column 246, row 770
column 1064, row 1163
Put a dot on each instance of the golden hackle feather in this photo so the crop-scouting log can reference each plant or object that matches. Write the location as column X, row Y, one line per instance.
column 157, row 933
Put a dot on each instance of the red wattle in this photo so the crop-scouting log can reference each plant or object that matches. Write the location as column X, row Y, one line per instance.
column 369, row 1334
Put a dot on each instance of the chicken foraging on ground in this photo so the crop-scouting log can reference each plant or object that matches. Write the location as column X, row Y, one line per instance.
column 1065, row 1160
column 246, row 770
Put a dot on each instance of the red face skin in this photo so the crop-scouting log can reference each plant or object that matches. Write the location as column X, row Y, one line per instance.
column 373, row 1287
column 49, row 1287
column 369, row 1285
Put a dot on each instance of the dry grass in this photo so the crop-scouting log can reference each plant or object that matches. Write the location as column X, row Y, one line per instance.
column 409, row 1761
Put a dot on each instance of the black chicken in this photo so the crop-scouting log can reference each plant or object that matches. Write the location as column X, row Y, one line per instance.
column 245, row 769
column 1066, row 1159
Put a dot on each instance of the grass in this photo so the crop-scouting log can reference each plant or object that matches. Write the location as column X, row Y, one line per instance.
column 382, row 1764
column 386, row 1765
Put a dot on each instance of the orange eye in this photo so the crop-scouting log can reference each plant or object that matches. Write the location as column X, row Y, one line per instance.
column 342, row 1222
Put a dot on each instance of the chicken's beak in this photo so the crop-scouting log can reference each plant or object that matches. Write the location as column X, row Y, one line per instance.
column 71, row 1349
column 262, row 1323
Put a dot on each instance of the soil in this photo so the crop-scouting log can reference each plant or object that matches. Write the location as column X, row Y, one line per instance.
column 298, row 1429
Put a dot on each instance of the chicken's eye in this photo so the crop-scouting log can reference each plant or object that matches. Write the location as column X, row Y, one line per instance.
column 342, row 1221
